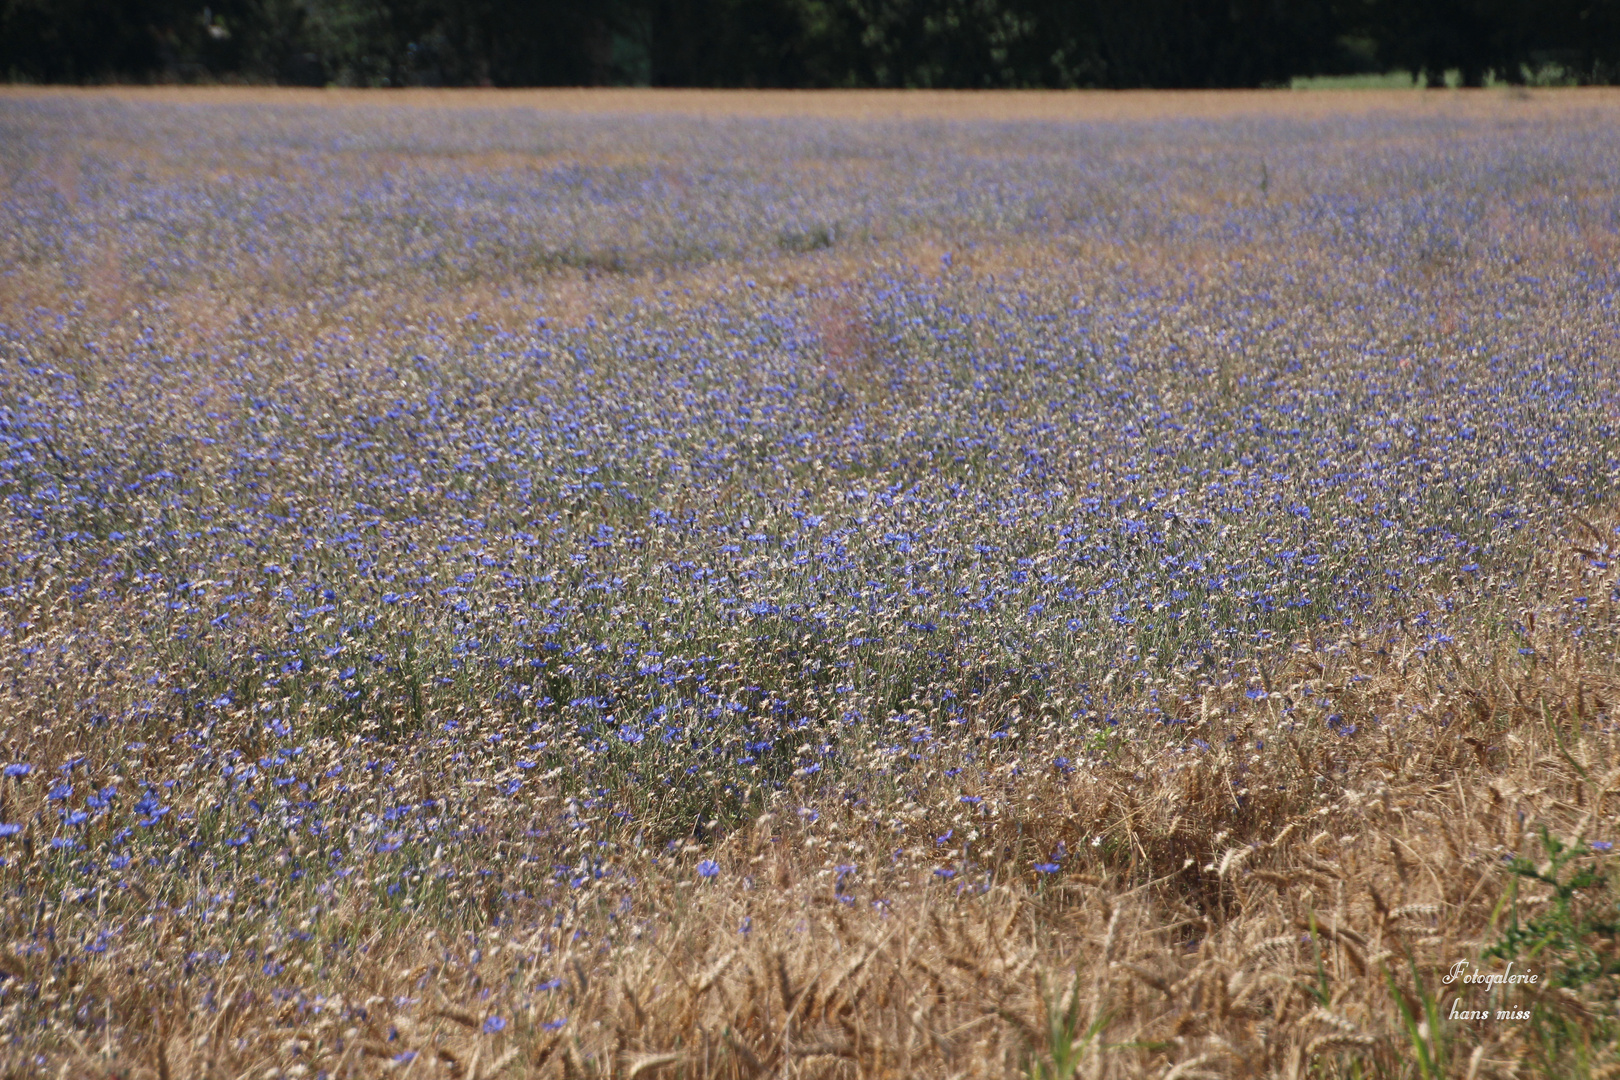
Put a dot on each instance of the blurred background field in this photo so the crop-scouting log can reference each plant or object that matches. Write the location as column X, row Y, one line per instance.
column 670, row 583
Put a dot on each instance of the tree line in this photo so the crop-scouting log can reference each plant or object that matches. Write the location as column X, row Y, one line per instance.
column 805, row 43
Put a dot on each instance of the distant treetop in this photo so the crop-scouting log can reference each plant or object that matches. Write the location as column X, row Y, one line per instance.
column 810, row 43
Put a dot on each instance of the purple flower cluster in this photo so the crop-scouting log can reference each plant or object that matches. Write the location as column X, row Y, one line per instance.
column 387, row 493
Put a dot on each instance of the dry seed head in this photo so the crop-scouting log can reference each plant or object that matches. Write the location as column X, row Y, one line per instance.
column 639, row 1064
column 1153, row 979
column 1271, row 946
column 1320, row 1015
column 1193, row 1068
column 1110, row 937
column 1325, row 1043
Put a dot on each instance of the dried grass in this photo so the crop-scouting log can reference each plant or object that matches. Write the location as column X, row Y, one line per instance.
column 1228, row 921
column 1278, row 901
column 1047, row 105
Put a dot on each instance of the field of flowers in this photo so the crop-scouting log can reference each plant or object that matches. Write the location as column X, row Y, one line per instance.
column 495, row 587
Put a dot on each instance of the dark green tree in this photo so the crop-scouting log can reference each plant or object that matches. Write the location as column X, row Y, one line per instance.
column 897, row 43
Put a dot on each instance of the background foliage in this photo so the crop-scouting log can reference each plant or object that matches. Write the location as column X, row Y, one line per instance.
column 806, row 43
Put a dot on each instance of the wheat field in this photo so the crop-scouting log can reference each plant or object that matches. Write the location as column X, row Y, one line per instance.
column 691, row 584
